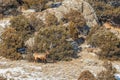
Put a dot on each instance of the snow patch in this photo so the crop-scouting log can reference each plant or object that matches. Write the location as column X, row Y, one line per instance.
column 4, row 23
column 3, row 63
column 37, row 68
column 117, row 76
column 22, row 73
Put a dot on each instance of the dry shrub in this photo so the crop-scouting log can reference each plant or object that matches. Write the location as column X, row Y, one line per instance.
column 9, row 7
column 14, row 37
column 73, row 31
column 108, row 74
column 36, row 22
column 104, row 10
column 38, row 5
column 29, row 57
column 54, row 38
column 51, row 19
column 76, row 22
column 108, row 42
column 23, row 27
column 86, row 75
column 10, row 42
column 76, row 17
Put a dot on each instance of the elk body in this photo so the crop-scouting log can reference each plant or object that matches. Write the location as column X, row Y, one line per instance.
column 42, row 56
column 108, row 26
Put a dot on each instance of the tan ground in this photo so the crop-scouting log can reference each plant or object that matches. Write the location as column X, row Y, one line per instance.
column 51, row 71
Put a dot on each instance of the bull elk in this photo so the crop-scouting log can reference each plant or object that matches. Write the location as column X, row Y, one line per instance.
column 41, row 56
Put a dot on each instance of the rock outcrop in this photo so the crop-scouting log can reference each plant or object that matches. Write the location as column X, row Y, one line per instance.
column 65, row 7
column 80, row 5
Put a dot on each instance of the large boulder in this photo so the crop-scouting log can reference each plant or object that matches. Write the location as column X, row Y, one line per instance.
column 84, row 7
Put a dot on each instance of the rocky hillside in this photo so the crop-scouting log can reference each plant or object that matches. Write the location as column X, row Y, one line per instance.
column 58, row 34
column 24, row 70
column 67, row 5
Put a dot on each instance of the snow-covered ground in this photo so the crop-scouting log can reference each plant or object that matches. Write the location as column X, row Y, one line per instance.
column 24, row 70
column 19, row 71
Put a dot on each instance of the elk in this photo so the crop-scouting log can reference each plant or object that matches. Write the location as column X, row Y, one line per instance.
column 108, row 26
column 42, row 56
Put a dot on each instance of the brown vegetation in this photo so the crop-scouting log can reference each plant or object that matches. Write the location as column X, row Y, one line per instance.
column 10, row 42
column 23, row 27
column 9, row 7
column 76, row 22
column 38, row 5
column 106, row 41
column 106, row 11
column 108, row 74
column 55, row 40
column 36, row 22
column 51, row 19
column 76, row 17
column 73, row 31
column 86, row 75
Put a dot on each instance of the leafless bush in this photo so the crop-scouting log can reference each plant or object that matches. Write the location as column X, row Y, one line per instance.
column 86, row 75
column 108, row 74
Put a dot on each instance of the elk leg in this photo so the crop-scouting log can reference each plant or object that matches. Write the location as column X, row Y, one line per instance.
column 45, row 61
column 35, row 60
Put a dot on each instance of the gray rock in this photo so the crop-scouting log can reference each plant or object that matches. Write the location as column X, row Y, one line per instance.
column 80, row 5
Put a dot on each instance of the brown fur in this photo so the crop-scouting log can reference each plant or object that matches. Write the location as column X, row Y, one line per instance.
column 42, row 56
column 108, row 26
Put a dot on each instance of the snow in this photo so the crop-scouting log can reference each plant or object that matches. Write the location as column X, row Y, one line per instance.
column 4, row 23
column 11, row 71
column 2, row 63
column 37, row 68
column 117, row 76
column 22, row 73
column 28, row 11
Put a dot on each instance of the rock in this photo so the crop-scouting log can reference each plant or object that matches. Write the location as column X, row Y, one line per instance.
column 28, row 11
column 84, row 30
column 30, row 43
column 57, row 4
column 75, row 46
column 21, row 50
column 84, row 7
column 114, row 3
column 80, row 40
